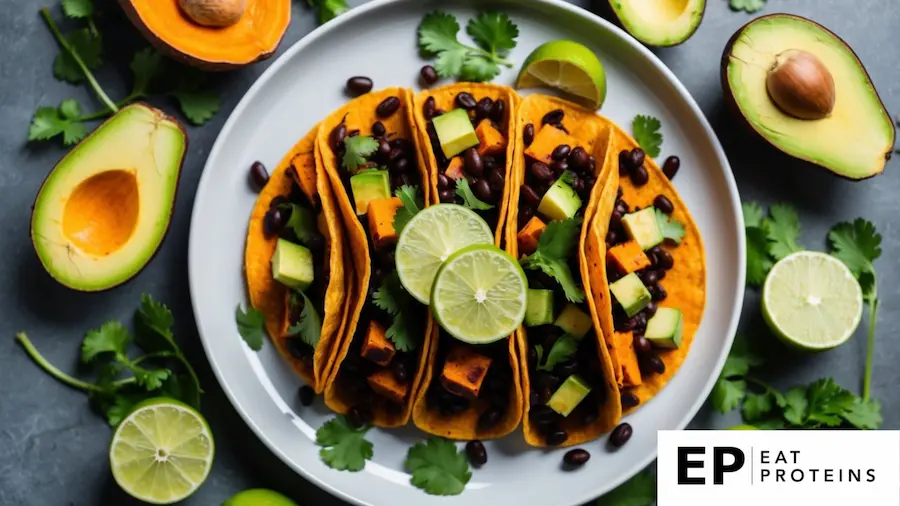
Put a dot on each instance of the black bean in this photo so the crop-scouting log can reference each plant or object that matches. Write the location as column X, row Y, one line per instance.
column 384, row 149
column 378, row 129
column 529, row 196
column 388, row 107
column 279, row 201
column 576, row 457
column 471, row 179
column 553, row 117
column 567, row 368
column 664, row 260
column 428, row 108
column 621, row 206
column 561, row 152
column 559, row 167
column 359, row 85
column 578, row 159
column 428, row 74
column 544, row 395
column 497, row 181
column 642, row 345
column 404, row 145
column 439, row 112
column 259, row 174
column 663, row 203
column 624, row 162
column 498, row 111
column 671, row 166
column 561, row 128
column 528, row 134
column 401, row 165
column 542, row 414
column 639, row 176
column 476, row 452
column 534, row 398
column 640, row 322
column 466, row 101
column 649, row 277
column 360, row 416
column 612, row 237
column 620, row 435
column 395, row 154
column 490, row 418
column 579, row 186
column 637, row 158
column 482, row 190
column 557, row 437
column 400, row 370
column 525, row 214
column 474, row 165
column 652, row 364
column 483, row 108
column 274, row 221
column 588, row 417
column 316, row 243
column 541, row 172
column 307, row 395
column 490, row 163
column 336, row 139
column 659, row 293
column 386, row 258
column 615, row 219
column 446, row 196
column 443, row 182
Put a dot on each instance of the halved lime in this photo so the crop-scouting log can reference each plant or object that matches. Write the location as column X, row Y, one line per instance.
column 258, row 497
column 479, row 294
column 431, row 237
column 567, row 66
column 812, row 301
column 162, row 452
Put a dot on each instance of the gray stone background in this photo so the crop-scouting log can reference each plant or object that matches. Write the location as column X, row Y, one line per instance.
column 53, row 449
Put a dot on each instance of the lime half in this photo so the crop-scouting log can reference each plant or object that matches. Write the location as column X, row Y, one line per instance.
column 812, row 301
column 258, row 497
column 162, row 452
column 479, row 294
column 567, row 66
column 431, row 237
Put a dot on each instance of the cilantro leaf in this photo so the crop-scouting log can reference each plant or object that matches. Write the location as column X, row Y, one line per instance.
column 858, row 245
column 749, row 6
column 404, row 332
column 301, row 222
column 198, row 106
column 437, row 467
column 309, row 323
column 469, row 199
column 554, row 247
column 671, row 229
column 88, row 47
column 827, row 402
column 328, row 9
column 494, row 32
column 408, row 195
column 156, row 321
column 391, row 297
column 69, row 109
column 356, row 150
column 563, row 349
column 640, row 490
column 795, row 410
column 757, row 406
column 437, row 33
column 251, row 325
column 558, row 270
column 864, row 414
column 753, row 214
column 477, row 69
column 111, row 337
column 78, row 8
column 345, row 447
column 48, row 122
column 388, row 297
column 646, row 133
column 783, row 230
column 150, row 379
column 120, row 408
column 728, row 394
column 758, row 260
column 146, row 65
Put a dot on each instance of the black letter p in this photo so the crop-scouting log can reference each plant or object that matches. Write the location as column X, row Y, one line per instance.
column 719, row 467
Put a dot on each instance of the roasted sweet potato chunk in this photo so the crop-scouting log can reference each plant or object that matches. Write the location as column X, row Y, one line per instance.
column 529, row 235
column 386, row 385
column 464, row 372
column 545, row 141
column 381, row 221
column 628, row 257
column 376, row 347
column 490, row 141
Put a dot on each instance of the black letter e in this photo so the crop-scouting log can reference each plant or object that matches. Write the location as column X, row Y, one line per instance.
column 684, row 464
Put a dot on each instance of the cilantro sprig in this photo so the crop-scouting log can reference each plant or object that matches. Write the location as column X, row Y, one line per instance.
column 494, row 35
column 309, row 323
column 551, row 256
column 563, row 349
column 409, row 196
column 640, row 490
column 671, row 229
column 345, row 447
column 469, row 199
column 251, row 326
column 328, row 9
column 356, row 152
column 406, row 330
column 437, row 467
column 124, row 379
column 769, row 238
column 646, row 133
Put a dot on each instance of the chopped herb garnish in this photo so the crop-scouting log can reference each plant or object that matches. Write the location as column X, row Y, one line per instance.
column 563, row 349
column 469, row 199
column 437, row 467
column 493, row 32
column 251, row 325
column 646, row 132
column 309, row 323
column 357, row 150
column 551, row 256
column 345, row 447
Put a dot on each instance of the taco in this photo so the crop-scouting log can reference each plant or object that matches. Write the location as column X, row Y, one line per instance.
column 570, row 389
column 294, row 263
column 648, row 273
column 467, row 132
column 369, row 150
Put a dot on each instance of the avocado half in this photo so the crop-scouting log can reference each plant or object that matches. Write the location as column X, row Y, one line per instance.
column 105, row 208
column 854, row 140
column 661, row 22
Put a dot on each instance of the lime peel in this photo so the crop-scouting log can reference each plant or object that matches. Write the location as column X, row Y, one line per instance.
column 566, row 66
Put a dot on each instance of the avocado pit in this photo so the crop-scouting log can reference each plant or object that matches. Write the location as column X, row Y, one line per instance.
column 214, row 13
column 800, row 85
column 101, row 214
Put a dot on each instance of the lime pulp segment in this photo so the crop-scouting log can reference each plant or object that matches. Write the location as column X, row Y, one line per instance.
column 812, row 300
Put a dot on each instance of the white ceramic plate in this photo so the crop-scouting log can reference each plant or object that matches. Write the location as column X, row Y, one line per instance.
column 378, row 40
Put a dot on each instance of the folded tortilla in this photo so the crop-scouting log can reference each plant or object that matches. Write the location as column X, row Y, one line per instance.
column 271, row 297
column 595, row 134
column 685, row 283
column 359, row 114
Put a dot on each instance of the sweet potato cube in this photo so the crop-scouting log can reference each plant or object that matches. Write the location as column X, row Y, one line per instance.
column 464, row 371
column 545, row 141
column 490, row 141
column 386, row 385
column 628, row 257
column 376, row 348
column 455, row 169
column 529, row 235
column 631, row 372
column 381, row 221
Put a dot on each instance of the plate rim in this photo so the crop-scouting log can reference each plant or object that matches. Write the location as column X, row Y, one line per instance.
column 195, row 254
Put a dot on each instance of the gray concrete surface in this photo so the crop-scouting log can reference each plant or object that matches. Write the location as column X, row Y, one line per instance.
column 53, row 449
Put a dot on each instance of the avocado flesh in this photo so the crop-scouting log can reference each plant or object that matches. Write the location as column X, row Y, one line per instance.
column 659, row 22
column 455, row 132
column 292, row 265
column 539, row 310
column 854, row 141
column 574, row 321
column 560, row 202
column 105, row 208
column 367, row 186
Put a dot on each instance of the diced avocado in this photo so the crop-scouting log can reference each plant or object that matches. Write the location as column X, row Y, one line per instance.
column 369, row 185
column 643, row 227
column 560, row 202
column 631, row 294
column 292, row 265
column 539, row 310
column 455, row 132
column 664, row 329
column 574, row 321
column 569, row 395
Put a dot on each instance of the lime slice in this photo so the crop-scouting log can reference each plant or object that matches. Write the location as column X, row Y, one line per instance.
column 479, row 294
column 258, row 497
column 567, row 66
column 429, row 238
column 162, row 452
column 812, row 301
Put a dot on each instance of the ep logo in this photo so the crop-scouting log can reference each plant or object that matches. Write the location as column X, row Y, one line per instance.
column 722, row 459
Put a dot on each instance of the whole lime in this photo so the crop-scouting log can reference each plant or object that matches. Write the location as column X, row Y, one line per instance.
column 259, row 497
